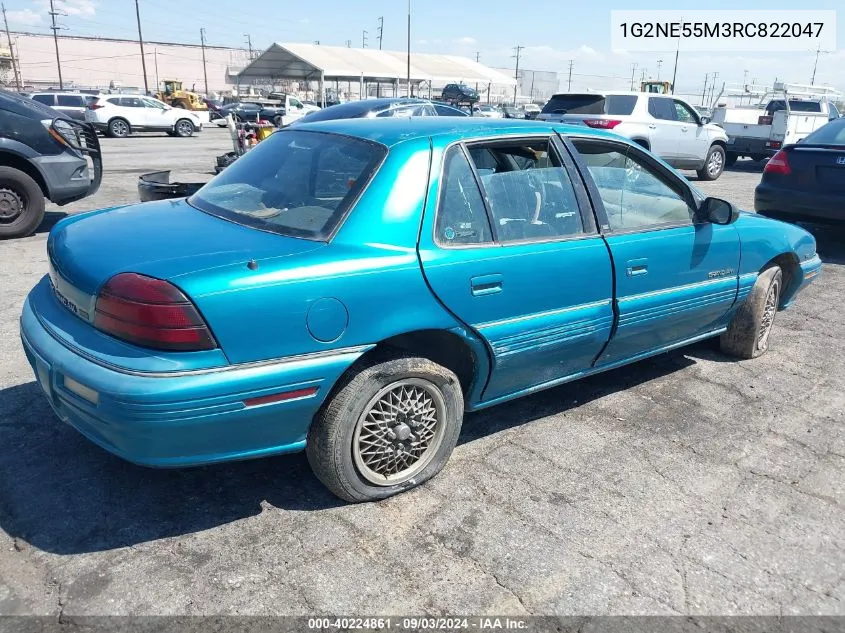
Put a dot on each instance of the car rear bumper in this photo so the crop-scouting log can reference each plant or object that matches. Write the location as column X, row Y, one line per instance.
column 748, row 146
column 173, row 419
column 799, row 206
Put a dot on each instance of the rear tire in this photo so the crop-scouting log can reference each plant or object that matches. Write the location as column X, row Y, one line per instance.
column 387, row 428
column 119, row 128
column 714, row 164
column 731, row 158
column 21, row 203
column 750, row 328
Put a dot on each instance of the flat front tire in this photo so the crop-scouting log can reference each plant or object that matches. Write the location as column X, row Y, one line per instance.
column 714, row 164
column 388, row 427
column 751, row 326
column 21, row 203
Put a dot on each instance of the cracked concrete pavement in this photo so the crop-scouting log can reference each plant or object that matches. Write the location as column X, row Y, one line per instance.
column 685, row 484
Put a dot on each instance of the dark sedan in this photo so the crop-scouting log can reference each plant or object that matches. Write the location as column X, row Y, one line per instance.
column 806, row 182
column 384, row 107
column 248, row 111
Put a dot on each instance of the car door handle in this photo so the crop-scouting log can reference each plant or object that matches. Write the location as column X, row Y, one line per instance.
column 637, row 267
column 652, row 126
column 486, row 285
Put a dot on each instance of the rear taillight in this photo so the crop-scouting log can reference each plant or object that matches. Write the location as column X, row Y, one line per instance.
column 95, row 106
column 773, row 144
column 778, row 164
column 602, row 124
column 151, row 313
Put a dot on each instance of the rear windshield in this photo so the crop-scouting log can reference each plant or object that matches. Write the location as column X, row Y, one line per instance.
column 591, row 104
column 294, row 183
column 831, row 134
column 797, row 106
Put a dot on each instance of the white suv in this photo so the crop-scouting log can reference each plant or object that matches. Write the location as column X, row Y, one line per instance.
column 667, row 126
column 121, row 115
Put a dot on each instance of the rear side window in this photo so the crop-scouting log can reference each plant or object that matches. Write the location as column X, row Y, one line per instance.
column 48, row 100
column 663, row 109
column 295, row 183
column 461, row 217
column 71, row 101
column 114, row 101
column 796, row 105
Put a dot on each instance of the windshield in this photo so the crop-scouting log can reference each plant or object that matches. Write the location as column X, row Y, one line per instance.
column 295, row 183
column 831, row 134
column 591, row 104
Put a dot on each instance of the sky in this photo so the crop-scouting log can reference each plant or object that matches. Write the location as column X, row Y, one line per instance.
column 553, row 32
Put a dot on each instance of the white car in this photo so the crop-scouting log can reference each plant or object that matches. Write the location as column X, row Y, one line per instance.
column 487, row 111
column 121, row 115
column 664, row 124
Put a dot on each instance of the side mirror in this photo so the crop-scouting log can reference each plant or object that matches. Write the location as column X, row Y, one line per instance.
column 705, row 120
column 718, row 211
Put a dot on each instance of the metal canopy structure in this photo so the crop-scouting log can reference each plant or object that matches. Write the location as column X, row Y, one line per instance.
column 310, row 62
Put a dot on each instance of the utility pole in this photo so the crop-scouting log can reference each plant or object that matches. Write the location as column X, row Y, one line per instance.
column 675, row 70
column 633, row 70
column 364, row 40
column 155, row 57
column 204, row 69
column 140, row 41
column 11, row 50
column 348, row 43
column 704, row 92
column 249, row 44
column 477, row 57
column 380, row 31
column 517, row 53
column 409, row 48
column 55, row 29
column 643, row 74
column 819, row 51
column 659, row 64
column 569, row 80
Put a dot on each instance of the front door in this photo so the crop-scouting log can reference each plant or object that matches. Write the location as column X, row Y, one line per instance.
column 665, row 129
column 512, row 251
column 694, row 141
column 676, row 279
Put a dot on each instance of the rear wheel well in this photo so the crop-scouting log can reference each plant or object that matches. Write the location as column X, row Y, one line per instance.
column 21, row 164
column 788, row 263
column 642, row 143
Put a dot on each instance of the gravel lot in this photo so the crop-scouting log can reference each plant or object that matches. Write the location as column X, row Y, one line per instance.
column 684, row 484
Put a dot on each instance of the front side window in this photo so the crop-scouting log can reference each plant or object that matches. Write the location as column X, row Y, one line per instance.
column 684, row 113
column 45, row 99
column 152, row 103
column 529, row 191
column 634, row 193
column 295, row 183
column 663, row 109
column 461, row 215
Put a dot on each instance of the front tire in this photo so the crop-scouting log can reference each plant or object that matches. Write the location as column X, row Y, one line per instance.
column 21, row 203
column 714, row 164
column 184, row 128
column 387, row 428
column 749, row 330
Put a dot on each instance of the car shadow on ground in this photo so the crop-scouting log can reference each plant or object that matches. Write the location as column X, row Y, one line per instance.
column 51, row 218
column 62, row 494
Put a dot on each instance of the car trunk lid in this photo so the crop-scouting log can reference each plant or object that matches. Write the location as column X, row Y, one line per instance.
column 816, row 168
column 163, row 239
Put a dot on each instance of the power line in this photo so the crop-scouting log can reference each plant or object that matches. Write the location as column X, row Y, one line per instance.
column 517, row 53
column 55, row 29
column 11, row 50
column 141, row 41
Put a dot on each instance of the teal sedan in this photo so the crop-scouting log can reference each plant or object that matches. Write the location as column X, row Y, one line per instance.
column 351, row 288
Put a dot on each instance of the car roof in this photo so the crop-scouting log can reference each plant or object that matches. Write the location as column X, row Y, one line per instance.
column 392, row 131
column 614, row 93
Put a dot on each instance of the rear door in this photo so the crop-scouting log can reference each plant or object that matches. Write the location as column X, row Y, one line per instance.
column 510, row 247
column 72, row 106
column 675, row 279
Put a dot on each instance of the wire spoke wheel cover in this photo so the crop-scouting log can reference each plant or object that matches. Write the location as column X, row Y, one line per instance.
column 399, row 432
column 770, row 308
